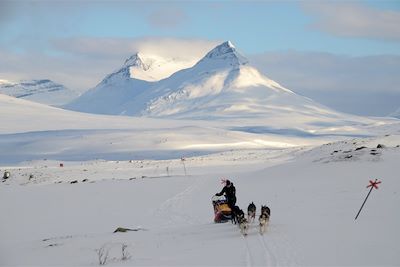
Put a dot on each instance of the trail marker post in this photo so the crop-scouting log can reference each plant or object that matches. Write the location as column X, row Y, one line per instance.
column 184, row 167
column 372, row 184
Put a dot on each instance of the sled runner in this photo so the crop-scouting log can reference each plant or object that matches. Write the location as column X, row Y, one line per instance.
column 222, row 212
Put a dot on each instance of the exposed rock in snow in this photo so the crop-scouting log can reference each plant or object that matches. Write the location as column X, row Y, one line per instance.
column 228, row 53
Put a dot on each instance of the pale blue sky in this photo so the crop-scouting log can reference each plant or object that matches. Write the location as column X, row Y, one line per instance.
column 254, row 27
column 326, row 50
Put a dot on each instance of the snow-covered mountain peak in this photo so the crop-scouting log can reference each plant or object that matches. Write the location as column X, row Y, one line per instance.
column 147, row 67
column 137, row 61
column 226, row 52
column 222, row 49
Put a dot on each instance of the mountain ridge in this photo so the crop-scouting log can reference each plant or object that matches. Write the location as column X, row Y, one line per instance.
column 43, row 91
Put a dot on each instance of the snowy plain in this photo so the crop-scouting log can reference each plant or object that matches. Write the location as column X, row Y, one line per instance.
column 313, row 192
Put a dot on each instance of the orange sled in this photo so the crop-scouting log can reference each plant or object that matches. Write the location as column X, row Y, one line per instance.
column 222, row 212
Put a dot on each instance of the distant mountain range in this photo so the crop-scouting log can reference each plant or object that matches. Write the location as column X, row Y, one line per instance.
column 223, row 84
column 41, row 91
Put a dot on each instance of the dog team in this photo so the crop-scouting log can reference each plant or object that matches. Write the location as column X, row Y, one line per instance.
column 238, row 216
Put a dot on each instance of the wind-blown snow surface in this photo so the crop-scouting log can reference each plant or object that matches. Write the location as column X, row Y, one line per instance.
column 41, row 91
column 314, row 196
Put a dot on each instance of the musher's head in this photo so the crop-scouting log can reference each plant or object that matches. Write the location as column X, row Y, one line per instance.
column 228, row 183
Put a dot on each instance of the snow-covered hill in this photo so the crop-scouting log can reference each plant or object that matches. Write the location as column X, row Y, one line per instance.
column 41, row 91
column 31, row 131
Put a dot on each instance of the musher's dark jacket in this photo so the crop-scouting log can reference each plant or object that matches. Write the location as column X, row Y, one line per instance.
column 230, row 193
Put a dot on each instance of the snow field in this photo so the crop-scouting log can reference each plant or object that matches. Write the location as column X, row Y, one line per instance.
column 313, row 204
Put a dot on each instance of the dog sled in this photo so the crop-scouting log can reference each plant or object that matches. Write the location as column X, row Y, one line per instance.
column 222, row 212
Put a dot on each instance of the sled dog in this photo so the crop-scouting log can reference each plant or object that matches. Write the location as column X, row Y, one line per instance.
column 251, row 212
column 264, row 218
column 243, row 224
column 236, row 211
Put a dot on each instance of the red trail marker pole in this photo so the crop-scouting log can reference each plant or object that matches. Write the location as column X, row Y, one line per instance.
column 372, row 185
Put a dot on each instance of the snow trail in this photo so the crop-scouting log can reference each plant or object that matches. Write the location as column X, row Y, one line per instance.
column 269, row 256
column 257, row 253
column 173, row 211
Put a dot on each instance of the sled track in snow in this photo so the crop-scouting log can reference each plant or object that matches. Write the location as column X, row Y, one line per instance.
column 270, row 257
column 270, row 249
column 248, row 255
column 257, row 252
column 172, row 209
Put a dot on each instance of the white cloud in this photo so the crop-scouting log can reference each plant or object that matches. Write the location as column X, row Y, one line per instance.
column 124, row 47
column 354, row 19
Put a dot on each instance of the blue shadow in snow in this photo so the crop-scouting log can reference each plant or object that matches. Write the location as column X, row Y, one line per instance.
column 289, row 132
